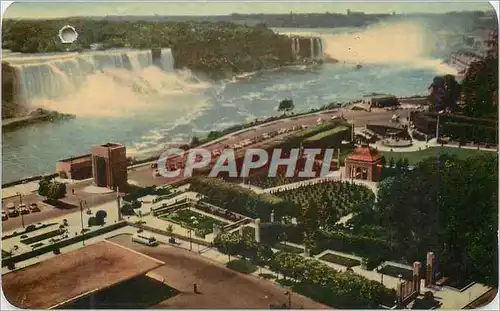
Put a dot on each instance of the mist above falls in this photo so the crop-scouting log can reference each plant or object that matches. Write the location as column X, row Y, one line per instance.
column 407, row 43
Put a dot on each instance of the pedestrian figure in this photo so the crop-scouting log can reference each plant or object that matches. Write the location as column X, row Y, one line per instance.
column 195, row 288
column 73, row 190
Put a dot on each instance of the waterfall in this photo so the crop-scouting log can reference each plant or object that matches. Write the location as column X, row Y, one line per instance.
column 51, row 76
column 320, row 54
column 297, row 40
column 313, row 41
column 294, row 52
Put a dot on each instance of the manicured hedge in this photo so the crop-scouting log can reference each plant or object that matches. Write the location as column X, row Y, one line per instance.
column 470, row 132
column 364, row 246
column 238, row 199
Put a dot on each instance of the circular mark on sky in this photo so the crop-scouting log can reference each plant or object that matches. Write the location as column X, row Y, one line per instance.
column 68, row 34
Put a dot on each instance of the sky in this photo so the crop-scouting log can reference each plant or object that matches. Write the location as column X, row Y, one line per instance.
column 58, row 9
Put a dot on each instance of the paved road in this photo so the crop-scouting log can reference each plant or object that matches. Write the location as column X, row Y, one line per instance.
column 49, row 212
column 143, row 175
column 220, row 287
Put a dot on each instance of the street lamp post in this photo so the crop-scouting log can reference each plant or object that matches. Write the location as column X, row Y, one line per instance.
column 81, row 218
column 21, row 212
column 190, row 241
column 194, row 222
column 289, row 294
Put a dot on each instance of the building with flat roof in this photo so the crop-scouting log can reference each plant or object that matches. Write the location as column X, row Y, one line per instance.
column 79, row 167
column 109, row 165
column 380, row 100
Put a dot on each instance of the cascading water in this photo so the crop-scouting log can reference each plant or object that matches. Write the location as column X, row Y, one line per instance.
column 312, row 48
column 50, row 77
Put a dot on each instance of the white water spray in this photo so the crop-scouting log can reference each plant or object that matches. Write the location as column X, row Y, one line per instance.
column 104, row 83
column 397, row 43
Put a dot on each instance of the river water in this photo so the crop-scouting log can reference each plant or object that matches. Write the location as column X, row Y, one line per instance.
column 120, row 96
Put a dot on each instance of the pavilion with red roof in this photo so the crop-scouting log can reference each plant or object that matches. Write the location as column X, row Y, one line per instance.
column 363, row 164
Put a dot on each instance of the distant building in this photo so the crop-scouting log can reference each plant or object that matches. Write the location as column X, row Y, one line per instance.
column 380, row 101
column 109, row 165
column 79, row 167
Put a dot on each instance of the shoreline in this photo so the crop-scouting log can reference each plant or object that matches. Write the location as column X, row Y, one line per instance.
column 222, row 133
column 37, row 116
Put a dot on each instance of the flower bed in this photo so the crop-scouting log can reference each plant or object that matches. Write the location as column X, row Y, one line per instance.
column 340, row 260
column 183, row 217
column 395, row 271
column 338, row 199
column 41, row 237
column 288, row 248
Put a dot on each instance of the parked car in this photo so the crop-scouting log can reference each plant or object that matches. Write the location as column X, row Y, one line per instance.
column 12, row 210
column 34, row 207
column 23, row 209
column 4, row 215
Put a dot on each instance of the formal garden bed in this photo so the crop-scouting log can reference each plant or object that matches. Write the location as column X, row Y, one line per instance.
column 340, row 260
column 29, row 228
column 242, row 266
column 41, row 237
column 239, row 200
column 395, row 271
column 339, row 198
column 310, row 277
column 184, row 217
column 288, row 248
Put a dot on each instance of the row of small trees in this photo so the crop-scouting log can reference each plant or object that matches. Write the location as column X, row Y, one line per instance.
column 309, row 277
column 399, row 163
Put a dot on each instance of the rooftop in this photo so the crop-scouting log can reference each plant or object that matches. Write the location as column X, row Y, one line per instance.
column 78, row 159
column 379, row 96
column 111, row 145
column 364, row 154
column 70, row 275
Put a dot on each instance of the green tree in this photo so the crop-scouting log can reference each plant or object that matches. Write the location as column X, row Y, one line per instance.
column 399, row 163
column 170, row 229
column 406, row 163
column 56, row 190
column 286, row 105
column 391, row 162
column 44, row 186
column 195, row 141
column 383, row 161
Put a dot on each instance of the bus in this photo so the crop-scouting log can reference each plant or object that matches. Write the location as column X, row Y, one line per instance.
column 149, row 241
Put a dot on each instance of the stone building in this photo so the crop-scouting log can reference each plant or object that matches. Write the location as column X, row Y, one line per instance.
column 109, row 165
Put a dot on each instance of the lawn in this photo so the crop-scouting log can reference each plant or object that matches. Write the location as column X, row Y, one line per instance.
column 205, row 223
column 395, row 271
column 5, row 254
column 417, row 156
column 327, row 133
column 340, row 260
column 288, row 248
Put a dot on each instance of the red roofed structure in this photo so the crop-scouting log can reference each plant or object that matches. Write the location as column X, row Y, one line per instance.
column 363, row 164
